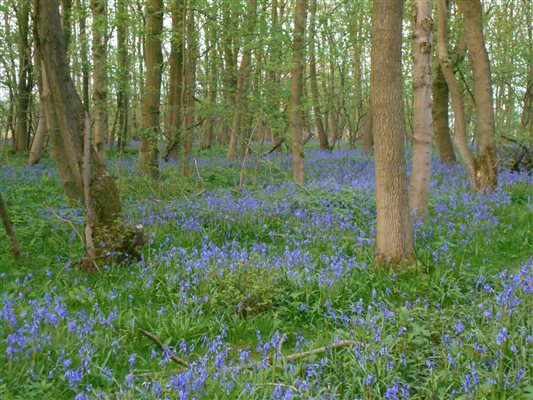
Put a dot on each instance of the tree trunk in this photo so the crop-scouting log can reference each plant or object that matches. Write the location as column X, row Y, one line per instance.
column 368, row 135
column 23, row 94
column 84, row 44
column 153, row 60
column 422, row 140
column 295, row 116
column 460, row 138
column 441, row 124
column 37, row 146
column 176, row 79
column 100, row 128
column 123, row 73
column 13, row 245
column 394, row 225
column 322, row 137
column 188, row 93
column 66, row 22
column 527, row 113
column 486, row 175
column 211, row 92
column 241, row 95
column 68, row 122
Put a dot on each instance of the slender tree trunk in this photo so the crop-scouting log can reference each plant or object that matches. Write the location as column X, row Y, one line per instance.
column 527, row 113
column 460, row 138
column 176, row 78
column 68, row 122
column 322, row 137
column 84, row 51
column 395, row 241
column 241, row 95
column 153, row 59
column 123, row 72
column 358, row 74
column 422, row 140
column 37, row 146
column 211, row 92
column 188, row 93
column 295, row 102
column 13, row 245
column 486, row 175
column 99, row 53
column 66, row 22
column 23, row 93
column 230, row 60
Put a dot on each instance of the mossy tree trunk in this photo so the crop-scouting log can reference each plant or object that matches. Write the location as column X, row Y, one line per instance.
column 68, row 122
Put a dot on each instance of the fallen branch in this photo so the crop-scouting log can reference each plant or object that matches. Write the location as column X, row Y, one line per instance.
column 320, row 350
column 165, row 350
column 275, row 147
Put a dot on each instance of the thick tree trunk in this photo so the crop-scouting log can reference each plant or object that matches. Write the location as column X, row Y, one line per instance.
column 22, row 98
column 176, row 79
column 322, row 137
column 295, row 117
column 395, row 239
column 422, row 124
column 68, row 121
column 486, row 175
column 99, row 52
column 153, row 60
column 460, row 138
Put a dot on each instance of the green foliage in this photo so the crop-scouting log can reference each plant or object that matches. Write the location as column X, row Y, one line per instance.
column 244, row 290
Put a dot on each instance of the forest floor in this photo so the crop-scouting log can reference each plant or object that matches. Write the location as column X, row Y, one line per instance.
column 243, row 268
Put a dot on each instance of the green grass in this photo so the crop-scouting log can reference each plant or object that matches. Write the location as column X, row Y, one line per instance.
column 182, row 294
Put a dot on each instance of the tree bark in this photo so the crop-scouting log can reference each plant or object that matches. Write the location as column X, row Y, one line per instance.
column 422, row 123
column 153, row 59
column 485, row 164
column 394, row 243
column 295, row 116
column 99, row 52
column 322, row 137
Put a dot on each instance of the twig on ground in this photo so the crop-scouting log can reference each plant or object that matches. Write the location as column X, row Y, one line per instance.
column 165, row 350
